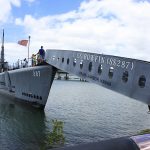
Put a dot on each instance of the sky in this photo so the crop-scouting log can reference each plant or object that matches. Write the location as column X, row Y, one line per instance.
column 114, row 27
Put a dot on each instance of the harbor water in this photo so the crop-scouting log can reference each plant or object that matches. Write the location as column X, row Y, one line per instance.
column 90, row 113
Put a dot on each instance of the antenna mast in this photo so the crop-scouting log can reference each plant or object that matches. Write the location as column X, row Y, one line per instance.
column 2, row 51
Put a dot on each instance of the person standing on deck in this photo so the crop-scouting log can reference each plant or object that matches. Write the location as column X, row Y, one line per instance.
column 41, row 55
column 33, row 60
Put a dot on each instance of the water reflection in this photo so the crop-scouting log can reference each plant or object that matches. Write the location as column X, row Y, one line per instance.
column 21, row 126
column 90, row 113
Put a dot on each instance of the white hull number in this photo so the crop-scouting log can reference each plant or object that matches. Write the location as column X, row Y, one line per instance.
column 36, row 73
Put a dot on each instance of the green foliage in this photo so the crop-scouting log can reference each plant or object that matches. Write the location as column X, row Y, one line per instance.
column 56, row 137
column 146, row 131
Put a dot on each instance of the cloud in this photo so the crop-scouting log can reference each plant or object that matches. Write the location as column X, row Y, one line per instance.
column 30, row 1
column 106, row 26
column 16, row 3
column 13, row 52
column 6, row 7
column 5, row 10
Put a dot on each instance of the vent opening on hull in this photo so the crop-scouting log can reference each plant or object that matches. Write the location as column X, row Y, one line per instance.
column 142, row 81
column 32, row 96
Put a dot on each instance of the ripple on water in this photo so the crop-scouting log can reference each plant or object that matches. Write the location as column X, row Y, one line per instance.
column 90, row 113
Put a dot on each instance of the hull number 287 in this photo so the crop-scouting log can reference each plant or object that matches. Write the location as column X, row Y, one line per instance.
column 36, row 73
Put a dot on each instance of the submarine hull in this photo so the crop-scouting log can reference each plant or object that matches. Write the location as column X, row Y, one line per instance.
column 31, row 85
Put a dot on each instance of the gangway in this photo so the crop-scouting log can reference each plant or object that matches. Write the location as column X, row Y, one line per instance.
column 130, row 77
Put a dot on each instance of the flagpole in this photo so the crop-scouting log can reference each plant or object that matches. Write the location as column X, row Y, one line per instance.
column 28, row 48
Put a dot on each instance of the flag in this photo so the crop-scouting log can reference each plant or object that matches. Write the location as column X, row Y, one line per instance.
column 23, row 42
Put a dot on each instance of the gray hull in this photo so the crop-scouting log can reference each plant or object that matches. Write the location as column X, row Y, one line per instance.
column 28, row 84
